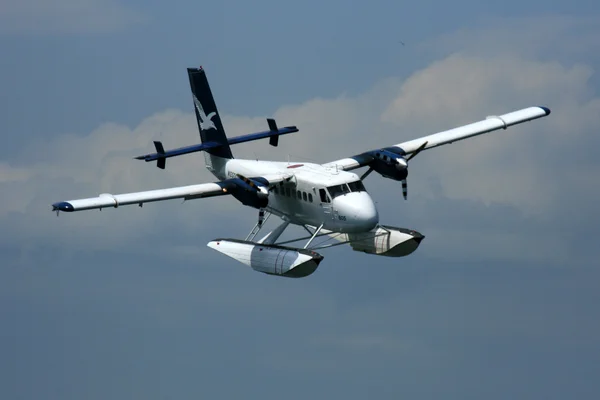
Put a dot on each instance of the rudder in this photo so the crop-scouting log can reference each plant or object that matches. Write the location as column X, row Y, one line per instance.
column 207, row 115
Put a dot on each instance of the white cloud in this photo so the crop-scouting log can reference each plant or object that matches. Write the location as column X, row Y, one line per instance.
column 548, row 37
column 66, row 16
column 503, row 166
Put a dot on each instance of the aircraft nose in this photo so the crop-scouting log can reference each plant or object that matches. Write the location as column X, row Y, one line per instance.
column 358, row 210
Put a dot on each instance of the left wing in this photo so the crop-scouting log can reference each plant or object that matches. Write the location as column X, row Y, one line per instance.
column 392, row 157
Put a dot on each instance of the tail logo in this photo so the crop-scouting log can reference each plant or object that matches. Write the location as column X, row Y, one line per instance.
column 206, row 122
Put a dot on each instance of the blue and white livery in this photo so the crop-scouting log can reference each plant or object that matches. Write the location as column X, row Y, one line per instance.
column 327, row 200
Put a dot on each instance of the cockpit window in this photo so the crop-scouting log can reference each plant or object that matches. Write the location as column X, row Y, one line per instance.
column 342, row 189
column 357, row 186
column 324, row 197
column 338, row 190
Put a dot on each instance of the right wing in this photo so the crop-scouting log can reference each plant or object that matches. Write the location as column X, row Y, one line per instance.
column 234, row 186
column 117, row 200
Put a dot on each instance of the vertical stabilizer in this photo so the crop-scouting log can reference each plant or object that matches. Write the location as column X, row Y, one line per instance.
column 209, row 121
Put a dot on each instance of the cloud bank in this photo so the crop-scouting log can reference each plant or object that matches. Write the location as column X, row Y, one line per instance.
column 520, row 181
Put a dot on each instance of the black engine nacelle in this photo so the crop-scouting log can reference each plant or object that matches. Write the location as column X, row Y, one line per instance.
column 250, row 193
column 389, row 164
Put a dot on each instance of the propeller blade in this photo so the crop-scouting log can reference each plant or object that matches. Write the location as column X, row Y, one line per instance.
column 421, row 147
column 404, row 188
column 248, row 181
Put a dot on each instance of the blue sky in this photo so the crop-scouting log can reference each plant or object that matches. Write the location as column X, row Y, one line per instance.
column 500, row 301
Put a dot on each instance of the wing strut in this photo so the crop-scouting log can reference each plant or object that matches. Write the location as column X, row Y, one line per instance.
column 314, row 236
column 362, row 178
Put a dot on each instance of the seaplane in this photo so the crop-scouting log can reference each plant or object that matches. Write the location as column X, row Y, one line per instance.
column 328, row 201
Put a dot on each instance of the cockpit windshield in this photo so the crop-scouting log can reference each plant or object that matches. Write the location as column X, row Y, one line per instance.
column 338, row 190
column 357, row 186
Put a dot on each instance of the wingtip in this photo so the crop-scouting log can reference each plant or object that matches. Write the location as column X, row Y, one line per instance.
column 62, row 206
column 546, row 110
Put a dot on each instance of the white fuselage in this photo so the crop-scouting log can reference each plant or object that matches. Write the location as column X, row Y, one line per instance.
column 315, row 195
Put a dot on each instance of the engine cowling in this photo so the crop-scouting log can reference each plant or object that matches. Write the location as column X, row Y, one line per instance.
column 389, row 164
column 249, row 193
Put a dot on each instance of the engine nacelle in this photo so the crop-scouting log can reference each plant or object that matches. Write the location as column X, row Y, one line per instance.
column 389, row 164
column 386, row 241
column 250, row 194
column 268, row 258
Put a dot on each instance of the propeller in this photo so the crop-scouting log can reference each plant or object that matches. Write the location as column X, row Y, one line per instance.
column 404, row 183
column 401, row 165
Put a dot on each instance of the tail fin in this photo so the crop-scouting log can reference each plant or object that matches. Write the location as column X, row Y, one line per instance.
column 209, row 121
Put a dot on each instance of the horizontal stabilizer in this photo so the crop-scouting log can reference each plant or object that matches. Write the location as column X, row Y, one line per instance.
column 273, row 133
column 262, row 135
column 177, row 152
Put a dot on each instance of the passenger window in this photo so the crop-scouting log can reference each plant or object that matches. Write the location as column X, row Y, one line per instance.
column 304, row 197
column 310, row 197
column 299, row 194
